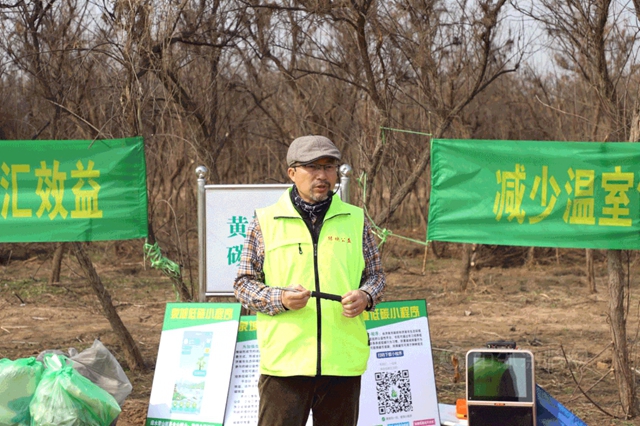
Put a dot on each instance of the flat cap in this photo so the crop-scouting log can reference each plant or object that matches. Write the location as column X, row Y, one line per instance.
column 307, row 149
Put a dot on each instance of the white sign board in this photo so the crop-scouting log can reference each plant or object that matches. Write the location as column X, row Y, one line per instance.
column 228, row 211
column 398, row 387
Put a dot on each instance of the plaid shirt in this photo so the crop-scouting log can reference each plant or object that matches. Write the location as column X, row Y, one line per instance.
column 255, row 295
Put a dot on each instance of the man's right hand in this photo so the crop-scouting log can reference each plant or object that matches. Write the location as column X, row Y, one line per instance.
column 295, row 297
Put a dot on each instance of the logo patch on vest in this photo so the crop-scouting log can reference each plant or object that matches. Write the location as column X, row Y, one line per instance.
column 335, row 239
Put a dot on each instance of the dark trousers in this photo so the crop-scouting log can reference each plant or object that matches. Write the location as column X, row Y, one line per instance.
column 286, row 401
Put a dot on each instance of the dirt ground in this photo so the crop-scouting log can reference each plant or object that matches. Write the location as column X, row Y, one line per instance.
column 545, row 308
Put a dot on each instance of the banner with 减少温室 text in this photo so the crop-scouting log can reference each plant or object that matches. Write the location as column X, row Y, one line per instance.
column 72, row 190
column 531, row 193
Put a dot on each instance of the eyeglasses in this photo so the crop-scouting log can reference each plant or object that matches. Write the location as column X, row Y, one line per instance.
column 313, row 168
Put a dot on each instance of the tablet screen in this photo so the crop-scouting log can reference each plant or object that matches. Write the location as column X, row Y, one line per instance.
column 501, row 376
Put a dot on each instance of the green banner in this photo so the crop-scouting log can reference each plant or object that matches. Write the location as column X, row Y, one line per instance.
column 73, row 190
column 528, row 193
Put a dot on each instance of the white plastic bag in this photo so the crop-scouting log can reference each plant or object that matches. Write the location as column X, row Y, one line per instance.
column 102, row 368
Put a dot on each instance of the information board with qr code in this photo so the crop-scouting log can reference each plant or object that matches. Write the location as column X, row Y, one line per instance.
column 398, row 387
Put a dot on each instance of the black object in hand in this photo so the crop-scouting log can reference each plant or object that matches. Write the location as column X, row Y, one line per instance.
column 328, row 296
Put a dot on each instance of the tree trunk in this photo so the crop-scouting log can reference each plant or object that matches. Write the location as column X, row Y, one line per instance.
column 131, row 352
column 437, row 248
column 465, row 266
column 624, row 378
column 591, row 279
column 531, row 257
column 57, row 263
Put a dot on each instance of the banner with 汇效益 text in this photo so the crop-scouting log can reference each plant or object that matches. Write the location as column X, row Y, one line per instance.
column 72, row 190
column 528, row 193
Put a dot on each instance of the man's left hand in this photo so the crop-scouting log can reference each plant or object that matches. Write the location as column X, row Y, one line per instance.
column 354, row 303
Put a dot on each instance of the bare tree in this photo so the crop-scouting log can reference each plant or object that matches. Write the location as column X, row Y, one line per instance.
column 591, row 279
column 47, row 44
column 594, row 44
column 454, row 53
column 406, row 63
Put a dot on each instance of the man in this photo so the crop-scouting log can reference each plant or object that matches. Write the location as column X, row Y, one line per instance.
column 312, row 350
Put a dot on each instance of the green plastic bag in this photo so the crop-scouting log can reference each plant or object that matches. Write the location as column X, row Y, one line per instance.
column 18, row 382
column 66, row 398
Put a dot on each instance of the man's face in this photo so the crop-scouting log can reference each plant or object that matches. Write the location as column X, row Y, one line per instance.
column 315, row 180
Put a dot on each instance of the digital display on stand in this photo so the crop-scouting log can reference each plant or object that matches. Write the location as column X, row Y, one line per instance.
column 500, row 387
column 500, row 376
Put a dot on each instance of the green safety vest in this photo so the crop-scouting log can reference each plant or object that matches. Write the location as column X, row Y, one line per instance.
column 317, row 339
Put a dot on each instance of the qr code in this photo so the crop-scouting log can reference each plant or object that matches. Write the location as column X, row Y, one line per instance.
column 394, row 392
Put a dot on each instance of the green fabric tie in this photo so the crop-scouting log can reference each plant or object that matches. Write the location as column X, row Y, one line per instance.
column 381, row 233
column 158, row 261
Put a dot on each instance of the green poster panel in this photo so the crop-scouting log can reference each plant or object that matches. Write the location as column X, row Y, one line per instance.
column 193, row 369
